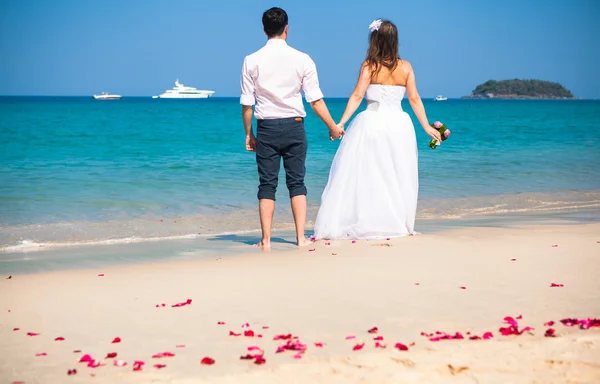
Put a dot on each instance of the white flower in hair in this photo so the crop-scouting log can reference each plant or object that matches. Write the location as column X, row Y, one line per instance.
column 374, row 26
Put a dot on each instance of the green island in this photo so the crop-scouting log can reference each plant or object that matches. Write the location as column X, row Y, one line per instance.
column 520, row 89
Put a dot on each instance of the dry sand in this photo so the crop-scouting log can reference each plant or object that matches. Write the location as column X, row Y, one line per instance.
column 321, row 297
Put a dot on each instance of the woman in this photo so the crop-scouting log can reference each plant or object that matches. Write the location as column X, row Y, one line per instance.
column 373, row 182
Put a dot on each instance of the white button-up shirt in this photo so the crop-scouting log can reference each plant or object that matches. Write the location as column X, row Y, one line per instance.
column 274, row 76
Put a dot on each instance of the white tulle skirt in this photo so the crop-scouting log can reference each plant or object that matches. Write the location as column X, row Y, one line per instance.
column 373, row 183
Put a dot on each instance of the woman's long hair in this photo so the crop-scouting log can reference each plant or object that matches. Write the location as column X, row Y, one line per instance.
column 383, row 48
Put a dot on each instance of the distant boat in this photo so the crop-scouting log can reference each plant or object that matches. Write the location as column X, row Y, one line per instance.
column 180, row 91
column 440, row 98
column 106, row 96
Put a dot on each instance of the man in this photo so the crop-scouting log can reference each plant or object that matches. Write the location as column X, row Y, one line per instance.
column 272, row 80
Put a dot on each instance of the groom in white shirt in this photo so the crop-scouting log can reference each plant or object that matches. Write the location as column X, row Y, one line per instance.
column 272, row 80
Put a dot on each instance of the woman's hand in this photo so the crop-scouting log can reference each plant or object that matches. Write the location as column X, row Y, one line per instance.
column 433, row 133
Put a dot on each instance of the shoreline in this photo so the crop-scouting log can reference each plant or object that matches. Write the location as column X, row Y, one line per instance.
column 461, row 280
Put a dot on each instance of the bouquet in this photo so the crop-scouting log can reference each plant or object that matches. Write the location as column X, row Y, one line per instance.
column 444, row 132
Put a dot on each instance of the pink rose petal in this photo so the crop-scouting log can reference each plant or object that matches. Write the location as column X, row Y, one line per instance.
column 554, row 245
column 298, row 356
column 379, row 345
column 554, row 285
column 351, row 337
column 137, row 365
column 353, row 241
column 358, row 347
column 246, row 325
column 207, row 361
column 100, row 274
column 159, row 366
column 182, row 304
column 520, row 317
column 41, row 354
column 319, row 345
column 95, row 364
column 488, row 335
column 160, row 355
column 119, row 363
column 549, row 323
column 180, row 346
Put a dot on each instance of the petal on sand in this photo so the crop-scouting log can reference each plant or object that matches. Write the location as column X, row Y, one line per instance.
column 319, row 345
column 249, row 333
column 378, row 338
column 358, row 347
column 549, row 323
column 401, row 347
column 260, row 360
column 71, row 372
column 184, row 303
column 111, row 355
column 137, row 365
column 283, row 337
column 298, row 356
column 116, row 340
column 350, row 337
column 100, row 274
column 231, row 333
column 119, row 363
column 246, row 325
column 60, row 338
column 159, row 366
column 488, row 335
column 41, row 354
column 180, row 346
column 379, row 345
column 95, row 364
column 16, row 329
column 550, row 332
column 373, row 330
column 86, row 359
column 32, row 334
column 555, row 285
column 207, row 361
column 221, row 323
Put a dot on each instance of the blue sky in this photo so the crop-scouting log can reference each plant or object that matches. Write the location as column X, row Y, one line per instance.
column 139, row 47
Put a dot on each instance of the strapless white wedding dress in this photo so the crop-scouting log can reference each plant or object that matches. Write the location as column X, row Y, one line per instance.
column 373, row 183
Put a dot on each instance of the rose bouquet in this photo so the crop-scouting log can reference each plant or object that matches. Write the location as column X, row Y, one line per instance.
column 444, row 132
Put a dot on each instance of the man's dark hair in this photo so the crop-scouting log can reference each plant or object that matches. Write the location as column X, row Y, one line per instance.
column 274, row 21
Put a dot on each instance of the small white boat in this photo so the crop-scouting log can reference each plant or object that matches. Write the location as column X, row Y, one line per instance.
column 440, row 98
column 106, row 96
column 180, row 91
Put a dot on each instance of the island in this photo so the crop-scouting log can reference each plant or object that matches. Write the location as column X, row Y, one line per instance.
column 520, row 89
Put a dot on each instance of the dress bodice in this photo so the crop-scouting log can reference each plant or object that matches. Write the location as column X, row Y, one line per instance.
column 381, row 96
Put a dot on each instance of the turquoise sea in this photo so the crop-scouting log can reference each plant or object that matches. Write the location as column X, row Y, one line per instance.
column 74, row 170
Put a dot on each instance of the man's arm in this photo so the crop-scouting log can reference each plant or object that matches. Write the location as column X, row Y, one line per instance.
column 247, row 100
column 313, row 94
column 247, row 119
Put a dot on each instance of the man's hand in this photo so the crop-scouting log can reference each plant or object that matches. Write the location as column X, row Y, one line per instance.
column 337, row 132
column 250, row 143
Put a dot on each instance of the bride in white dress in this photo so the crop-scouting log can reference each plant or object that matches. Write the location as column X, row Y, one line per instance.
column 373, row 183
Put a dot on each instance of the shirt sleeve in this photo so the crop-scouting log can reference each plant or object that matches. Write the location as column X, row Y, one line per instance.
column 310, row 82
column 247, row 85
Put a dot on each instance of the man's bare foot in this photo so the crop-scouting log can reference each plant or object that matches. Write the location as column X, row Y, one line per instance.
column 303, row 242
column 264, row 245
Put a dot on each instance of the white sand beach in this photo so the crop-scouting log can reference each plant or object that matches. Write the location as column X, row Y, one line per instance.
column 466, row 280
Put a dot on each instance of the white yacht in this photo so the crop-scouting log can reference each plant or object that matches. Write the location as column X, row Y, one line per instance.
column 440, row 98
column 180, row 91
column 106, row 96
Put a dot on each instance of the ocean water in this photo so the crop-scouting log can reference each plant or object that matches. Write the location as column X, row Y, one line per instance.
column 82, row 171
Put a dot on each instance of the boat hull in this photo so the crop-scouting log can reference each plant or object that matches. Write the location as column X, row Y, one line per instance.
column 109, row 97
column 186, row 96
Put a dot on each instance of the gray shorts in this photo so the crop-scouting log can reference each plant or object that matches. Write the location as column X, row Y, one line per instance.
column 276, row 139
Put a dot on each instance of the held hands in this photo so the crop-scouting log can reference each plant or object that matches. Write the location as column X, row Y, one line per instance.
column 337, row 132
column 433, row 133
column 250, row 143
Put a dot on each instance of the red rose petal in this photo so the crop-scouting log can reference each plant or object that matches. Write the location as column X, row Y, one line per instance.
column 119, row 363
column 475, row 338
column 231, row 333
column 283, row 337
column 358, row 347
column 463, row 287
column 137, row 365
column 260, row 360
column 246, row 325
column 520, row 317
column 353, row 241
column 100, row 274
column 77, row 351
column 378, row 338
column 249, row 333
column 319, row 345
column 95, row 364
column 333, row 254
column 111, row 355
column 417, row 283
column 351, row 337
column 373, row 330
column 550, row 332
column 221, row 323
column 488, row 335
column 207, row 361
column 182, row 304
column 513, row 259
column 553, row 285
column 86, row 359
column 9, row 277
column 379, row 345
column 60, row 338
column 162, row 354
column 549, row 323
column 41, row 354
column 159, row 366
column 116, row 340
column 401, row 347
column 71, row 372
column 265, row 327
column 32, row 334
column 554, row 245
column 312, row 250
column 16, row 329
